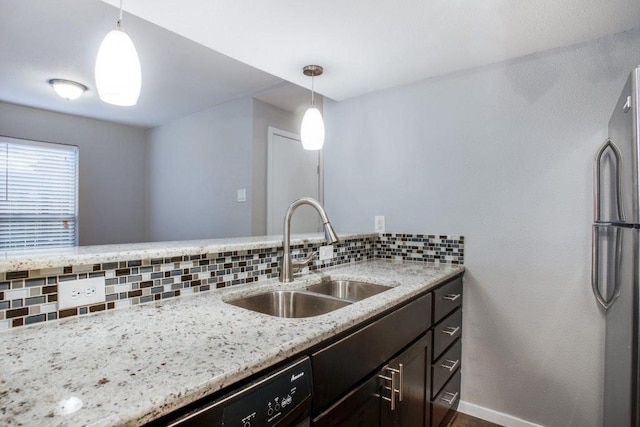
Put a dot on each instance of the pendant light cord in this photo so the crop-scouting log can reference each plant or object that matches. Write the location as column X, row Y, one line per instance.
column 119, row 24
column 312, row 78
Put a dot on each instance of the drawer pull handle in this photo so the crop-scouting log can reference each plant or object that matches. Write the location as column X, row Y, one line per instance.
column 451, row 330
column 451, row 297
column 452, row 364
column 401, row 372
column 394, row 386
column 453, row 398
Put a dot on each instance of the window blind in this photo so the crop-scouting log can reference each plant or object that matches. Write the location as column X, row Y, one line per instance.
column 38, row 194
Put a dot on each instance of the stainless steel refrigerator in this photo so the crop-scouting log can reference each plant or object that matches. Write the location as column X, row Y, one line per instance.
column 616, row 256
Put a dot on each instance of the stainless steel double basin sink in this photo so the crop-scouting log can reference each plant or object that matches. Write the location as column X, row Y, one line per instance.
column 315, row 300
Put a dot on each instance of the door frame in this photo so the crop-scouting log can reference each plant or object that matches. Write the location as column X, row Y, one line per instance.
column 272, row 132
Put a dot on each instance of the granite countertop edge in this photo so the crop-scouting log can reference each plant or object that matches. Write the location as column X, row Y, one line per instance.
column 135, row 365
column 84, row 255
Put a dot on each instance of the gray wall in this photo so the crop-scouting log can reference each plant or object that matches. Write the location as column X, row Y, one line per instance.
column 502, row 155
column 111, row 171
column 195, row 165
column 265, row 115
column 174, row 182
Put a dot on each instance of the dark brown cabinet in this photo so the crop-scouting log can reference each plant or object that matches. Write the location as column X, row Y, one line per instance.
column 401, row 370
column 378, row 375
column 396, row 395
column 340, row 366
column 361, row 407
column 447, row 351
column 445, row 366
column 445, row 402
column 411, row 367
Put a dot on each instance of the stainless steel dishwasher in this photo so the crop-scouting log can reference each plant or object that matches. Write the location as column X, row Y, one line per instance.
column 280, row 398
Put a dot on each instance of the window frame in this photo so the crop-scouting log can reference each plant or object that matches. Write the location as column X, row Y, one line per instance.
column 37, row 216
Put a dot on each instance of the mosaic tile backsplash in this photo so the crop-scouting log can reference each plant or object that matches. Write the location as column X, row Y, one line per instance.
column 421, row 247
column 28, row 297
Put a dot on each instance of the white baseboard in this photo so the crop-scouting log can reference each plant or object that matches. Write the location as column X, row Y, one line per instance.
column 493, row 416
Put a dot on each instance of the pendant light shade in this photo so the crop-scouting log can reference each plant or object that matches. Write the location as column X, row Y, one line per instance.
column 312, row 127
column 118, row 74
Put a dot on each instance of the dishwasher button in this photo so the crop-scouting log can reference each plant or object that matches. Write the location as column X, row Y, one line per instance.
column 287, row 401
column 246, row 422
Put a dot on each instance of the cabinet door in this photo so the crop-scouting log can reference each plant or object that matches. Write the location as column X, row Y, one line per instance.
column 361, row 407
column 340, row 366
column 413, row 366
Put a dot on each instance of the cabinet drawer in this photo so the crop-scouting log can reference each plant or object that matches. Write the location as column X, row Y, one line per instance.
column 341, row 365
column 446, row 299
column 443, row 368
column 447, row 399
column 446, row 332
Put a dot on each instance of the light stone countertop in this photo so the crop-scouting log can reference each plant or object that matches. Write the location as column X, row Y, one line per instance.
column 83, row 255
column 134, row 365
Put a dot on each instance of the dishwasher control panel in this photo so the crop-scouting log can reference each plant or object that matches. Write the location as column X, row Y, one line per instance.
column 284, row 394
column 272, row 399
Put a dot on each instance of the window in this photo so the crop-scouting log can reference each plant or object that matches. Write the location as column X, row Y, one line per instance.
column 38, row 194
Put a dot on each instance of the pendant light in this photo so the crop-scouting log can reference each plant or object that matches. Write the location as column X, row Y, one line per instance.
column 118, row 75
column 312, row 128
column 68, row 89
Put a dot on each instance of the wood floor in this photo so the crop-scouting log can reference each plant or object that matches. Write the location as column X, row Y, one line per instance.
column 464, row 420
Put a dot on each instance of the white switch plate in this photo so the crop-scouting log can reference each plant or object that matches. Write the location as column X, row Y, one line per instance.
column 242, row 195
column 379, row 223
column 326, row 252
column 78, row 293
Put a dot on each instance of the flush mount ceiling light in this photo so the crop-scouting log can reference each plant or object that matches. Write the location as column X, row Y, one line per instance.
column 68, row 89
column 312, row 128
column 118, row 75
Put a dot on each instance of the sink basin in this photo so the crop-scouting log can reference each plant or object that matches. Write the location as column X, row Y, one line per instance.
column 348, row 289
column 290, row 304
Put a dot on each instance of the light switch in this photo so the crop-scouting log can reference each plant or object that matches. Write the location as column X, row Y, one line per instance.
column 242, row 195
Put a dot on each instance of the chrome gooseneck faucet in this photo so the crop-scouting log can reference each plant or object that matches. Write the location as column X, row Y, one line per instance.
column 289, row 267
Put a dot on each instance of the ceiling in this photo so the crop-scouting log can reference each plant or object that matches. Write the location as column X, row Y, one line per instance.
column 41, row 40
column 256, row 47
column 367, row 45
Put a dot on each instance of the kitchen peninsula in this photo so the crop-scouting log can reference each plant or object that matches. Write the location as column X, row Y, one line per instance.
column 131, row 366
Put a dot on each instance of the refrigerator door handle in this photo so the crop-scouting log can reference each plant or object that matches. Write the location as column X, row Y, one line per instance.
column 595, row 267
column 595, row 270
column 597, row 184
column 618, row 261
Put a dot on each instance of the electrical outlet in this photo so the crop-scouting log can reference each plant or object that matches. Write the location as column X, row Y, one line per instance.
column 326, row 252
column 379, row 224
column 78, row 293
column 242, row 195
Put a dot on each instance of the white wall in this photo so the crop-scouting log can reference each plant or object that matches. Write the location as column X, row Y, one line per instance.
column 111, row 170
column 502, row 155
column 195, row 166
column 265, row 115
